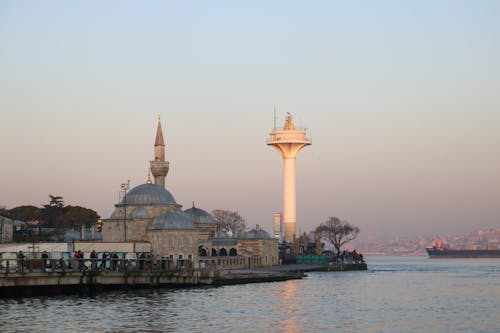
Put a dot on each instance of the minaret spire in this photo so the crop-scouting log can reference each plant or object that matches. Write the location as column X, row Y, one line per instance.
column 159, row 135
column 159, row 167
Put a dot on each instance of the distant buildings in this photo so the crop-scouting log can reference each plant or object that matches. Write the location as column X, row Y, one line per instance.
column 415, row 246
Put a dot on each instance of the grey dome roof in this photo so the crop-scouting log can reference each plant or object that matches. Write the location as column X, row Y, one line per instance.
column 176, row 220
column 148, row 194
column 200, row 216
column 257, row 234
column 139, row 213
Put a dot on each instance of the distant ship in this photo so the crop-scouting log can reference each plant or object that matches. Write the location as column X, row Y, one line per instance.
column 437, row 250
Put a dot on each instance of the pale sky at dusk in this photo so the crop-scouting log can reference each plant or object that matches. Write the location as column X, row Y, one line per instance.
column 400, row 98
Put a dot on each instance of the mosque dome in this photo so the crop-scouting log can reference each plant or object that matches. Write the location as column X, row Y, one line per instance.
column 139, row 213
column 176, row 220
column 148, row 195
column 200, row 216
column 257, row 234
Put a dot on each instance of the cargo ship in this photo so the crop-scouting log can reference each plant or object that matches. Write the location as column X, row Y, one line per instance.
column 437, row 250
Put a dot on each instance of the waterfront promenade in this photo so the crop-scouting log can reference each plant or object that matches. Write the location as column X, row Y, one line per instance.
column 92, row 275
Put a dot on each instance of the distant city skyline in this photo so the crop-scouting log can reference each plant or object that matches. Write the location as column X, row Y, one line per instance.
column 402, row 101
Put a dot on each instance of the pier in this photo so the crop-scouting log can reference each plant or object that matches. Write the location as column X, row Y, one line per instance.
column 32, row 277
column 63, row 276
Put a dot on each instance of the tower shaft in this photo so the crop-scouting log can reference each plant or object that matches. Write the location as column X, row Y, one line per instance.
column 289, row 199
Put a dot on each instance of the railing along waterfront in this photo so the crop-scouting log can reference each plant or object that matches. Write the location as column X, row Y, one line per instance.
column 33, row 262
column 123, row 262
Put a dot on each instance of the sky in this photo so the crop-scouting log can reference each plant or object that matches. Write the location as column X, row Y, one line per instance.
column 400, row 99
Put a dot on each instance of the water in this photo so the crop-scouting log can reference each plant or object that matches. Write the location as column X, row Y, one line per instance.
column 410, row 294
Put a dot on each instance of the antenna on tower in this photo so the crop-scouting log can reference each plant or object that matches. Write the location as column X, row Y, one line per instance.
column 274, row 117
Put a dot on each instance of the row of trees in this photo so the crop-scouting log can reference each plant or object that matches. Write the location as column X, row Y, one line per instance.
column 54, row 214
column 334, row 230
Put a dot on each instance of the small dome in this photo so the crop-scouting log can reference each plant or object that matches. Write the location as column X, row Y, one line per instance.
column 200, row 216
column 139, row 213
column 176, row 220
column 257, row 234
column 148, row 194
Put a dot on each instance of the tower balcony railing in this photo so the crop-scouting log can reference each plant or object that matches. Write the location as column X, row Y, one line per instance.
column 286, row 138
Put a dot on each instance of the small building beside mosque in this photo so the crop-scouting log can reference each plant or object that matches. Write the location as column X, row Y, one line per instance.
column 149, row 212
column 6, row 230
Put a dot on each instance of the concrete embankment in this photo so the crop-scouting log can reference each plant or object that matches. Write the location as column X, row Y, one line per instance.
column 32, row 283
column 282, row 272
column 50, row 283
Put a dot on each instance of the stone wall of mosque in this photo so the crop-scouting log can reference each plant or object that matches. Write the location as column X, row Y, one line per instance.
column 177, row 244
column 113, row 230
column 267, row 249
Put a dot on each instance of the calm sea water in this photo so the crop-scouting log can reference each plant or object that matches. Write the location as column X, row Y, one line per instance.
column 410, row 294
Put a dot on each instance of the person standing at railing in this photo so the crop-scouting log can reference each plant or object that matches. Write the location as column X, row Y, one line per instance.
column 103, row 261
column 20, row 261
column 114, row 260
column 93, row 260
column 80, row 260
column 142, row 258
column 45, row 257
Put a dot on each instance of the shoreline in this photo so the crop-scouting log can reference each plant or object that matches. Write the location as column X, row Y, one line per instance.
column 39, row 283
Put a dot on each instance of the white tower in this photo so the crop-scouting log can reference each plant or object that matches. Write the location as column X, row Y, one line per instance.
column 289, row 142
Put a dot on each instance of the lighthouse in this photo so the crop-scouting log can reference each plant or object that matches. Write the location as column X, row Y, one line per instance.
column 289, row 141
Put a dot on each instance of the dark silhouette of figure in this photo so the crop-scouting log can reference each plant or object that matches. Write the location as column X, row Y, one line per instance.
column 80, row 260
column 45, row 257
column 20, row 261
column 103, row 261
column 93, row 260
column 114, row 260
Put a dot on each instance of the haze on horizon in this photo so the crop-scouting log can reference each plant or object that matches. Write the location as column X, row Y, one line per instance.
column 401, row 100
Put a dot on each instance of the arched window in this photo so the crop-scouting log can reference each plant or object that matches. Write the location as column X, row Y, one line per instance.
column 233, row 252
column 202, row 252
column 223, row 252
column 214, row 253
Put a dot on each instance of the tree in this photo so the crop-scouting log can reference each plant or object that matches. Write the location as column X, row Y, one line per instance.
column 55, row 201
column 23, row 213
column 229, row 221
column 53, row 213
column 337, row 232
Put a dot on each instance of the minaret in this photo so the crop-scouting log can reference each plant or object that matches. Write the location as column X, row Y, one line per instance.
column 289, row 142
column 159, row 167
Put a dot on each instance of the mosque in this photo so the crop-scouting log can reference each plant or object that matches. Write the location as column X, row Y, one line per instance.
column 149, row 213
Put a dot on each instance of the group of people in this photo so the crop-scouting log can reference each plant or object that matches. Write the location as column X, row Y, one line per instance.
column 349, row 257
column 101, row 261
column 95, row 262
column 20, row 256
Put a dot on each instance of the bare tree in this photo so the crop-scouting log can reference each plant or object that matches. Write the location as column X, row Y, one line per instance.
column 228, row 220
column 337, row 232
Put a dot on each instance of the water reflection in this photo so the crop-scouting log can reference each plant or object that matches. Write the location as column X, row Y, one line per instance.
column 397, row 295
column 290, row 308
